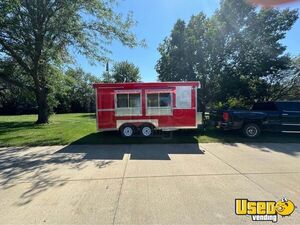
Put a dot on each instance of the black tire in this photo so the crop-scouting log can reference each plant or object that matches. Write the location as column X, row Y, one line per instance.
column 147, row 130
column 251, row 130
column 127, row 130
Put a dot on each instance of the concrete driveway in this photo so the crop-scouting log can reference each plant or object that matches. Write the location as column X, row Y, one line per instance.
column 145, row 184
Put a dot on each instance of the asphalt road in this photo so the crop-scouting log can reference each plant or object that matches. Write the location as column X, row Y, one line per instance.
column 145, row 184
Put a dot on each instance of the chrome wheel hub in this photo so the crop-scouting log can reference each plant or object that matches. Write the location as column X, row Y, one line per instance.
column 146, row 131
column 251, row 131
column 128, row 131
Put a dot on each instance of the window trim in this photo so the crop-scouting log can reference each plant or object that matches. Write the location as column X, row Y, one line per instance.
column 159, row 92
column 128, row 92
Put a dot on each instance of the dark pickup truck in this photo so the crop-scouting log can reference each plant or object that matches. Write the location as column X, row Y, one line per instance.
column 265, row 116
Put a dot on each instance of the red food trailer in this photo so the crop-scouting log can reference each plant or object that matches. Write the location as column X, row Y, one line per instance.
column 143, row 107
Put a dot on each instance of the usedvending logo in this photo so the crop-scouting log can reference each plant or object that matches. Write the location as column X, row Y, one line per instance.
column 264, row 210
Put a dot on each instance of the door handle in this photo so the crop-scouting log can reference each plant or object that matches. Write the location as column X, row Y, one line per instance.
column 285, row 114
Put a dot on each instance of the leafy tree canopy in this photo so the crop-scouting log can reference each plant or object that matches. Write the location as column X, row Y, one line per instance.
column 236, row 53
column 37, row 35
column 125, row 72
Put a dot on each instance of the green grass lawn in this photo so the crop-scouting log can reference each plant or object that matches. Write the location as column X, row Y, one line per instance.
column 80, row 128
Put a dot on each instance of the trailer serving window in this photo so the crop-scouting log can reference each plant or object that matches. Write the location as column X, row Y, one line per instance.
column 128, row 104
column 159, row 104
column 183, row 97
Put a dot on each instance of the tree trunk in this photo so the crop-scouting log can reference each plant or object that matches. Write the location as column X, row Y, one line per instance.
column 43, row 108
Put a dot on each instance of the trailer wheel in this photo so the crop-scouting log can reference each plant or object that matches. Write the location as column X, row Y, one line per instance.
column 251, row 130
column 146, row 130
column 127, row 130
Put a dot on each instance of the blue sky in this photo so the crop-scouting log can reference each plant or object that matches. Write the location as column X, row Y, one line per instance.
column 155, row 20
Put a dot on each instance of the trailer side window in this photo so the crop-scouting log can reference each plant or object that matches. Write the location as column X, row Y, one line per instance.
column 134, row 100
column 152, row 100
column 159, row 104
column 165, row 100
column 128, row 104
column 122, row 101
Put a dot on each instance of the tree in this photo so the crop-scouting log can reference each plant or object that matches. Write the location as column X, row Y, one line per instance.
column 204, row 51
column 106, row 76
column 78, row 94
column 37, row 35
column 125, row 72
column 236, row 54
column 173, row 65
column 193, row 52
column 291, row 88
column 254, row 52
column 71, row 92
column 15, row 99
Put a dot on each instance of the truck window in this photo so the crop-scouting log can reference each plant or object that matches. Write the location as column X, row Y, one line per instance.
column 289, row 106
column 264, row 106
column 128, row 104
column 159, row 104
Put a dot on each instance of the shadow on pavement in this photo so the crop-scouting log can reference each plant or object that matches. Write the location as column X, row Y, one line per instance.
column 114, row 137
column 37, row 168
column 137, row 152
column 111, row 145
column 40, row 167
column 96, row 152
column 292, row 149
column 163, row 152
column 186, row 136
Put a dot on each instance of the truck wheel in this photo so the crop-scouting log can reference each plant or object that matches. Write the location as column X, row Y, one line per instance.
column 251, row 130
column 146, row 130
column 127, row 130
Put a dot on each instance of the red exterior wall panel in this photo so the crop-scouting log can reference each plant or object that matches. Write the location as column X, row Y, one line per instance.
column 106, row 99
column 106, row 120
